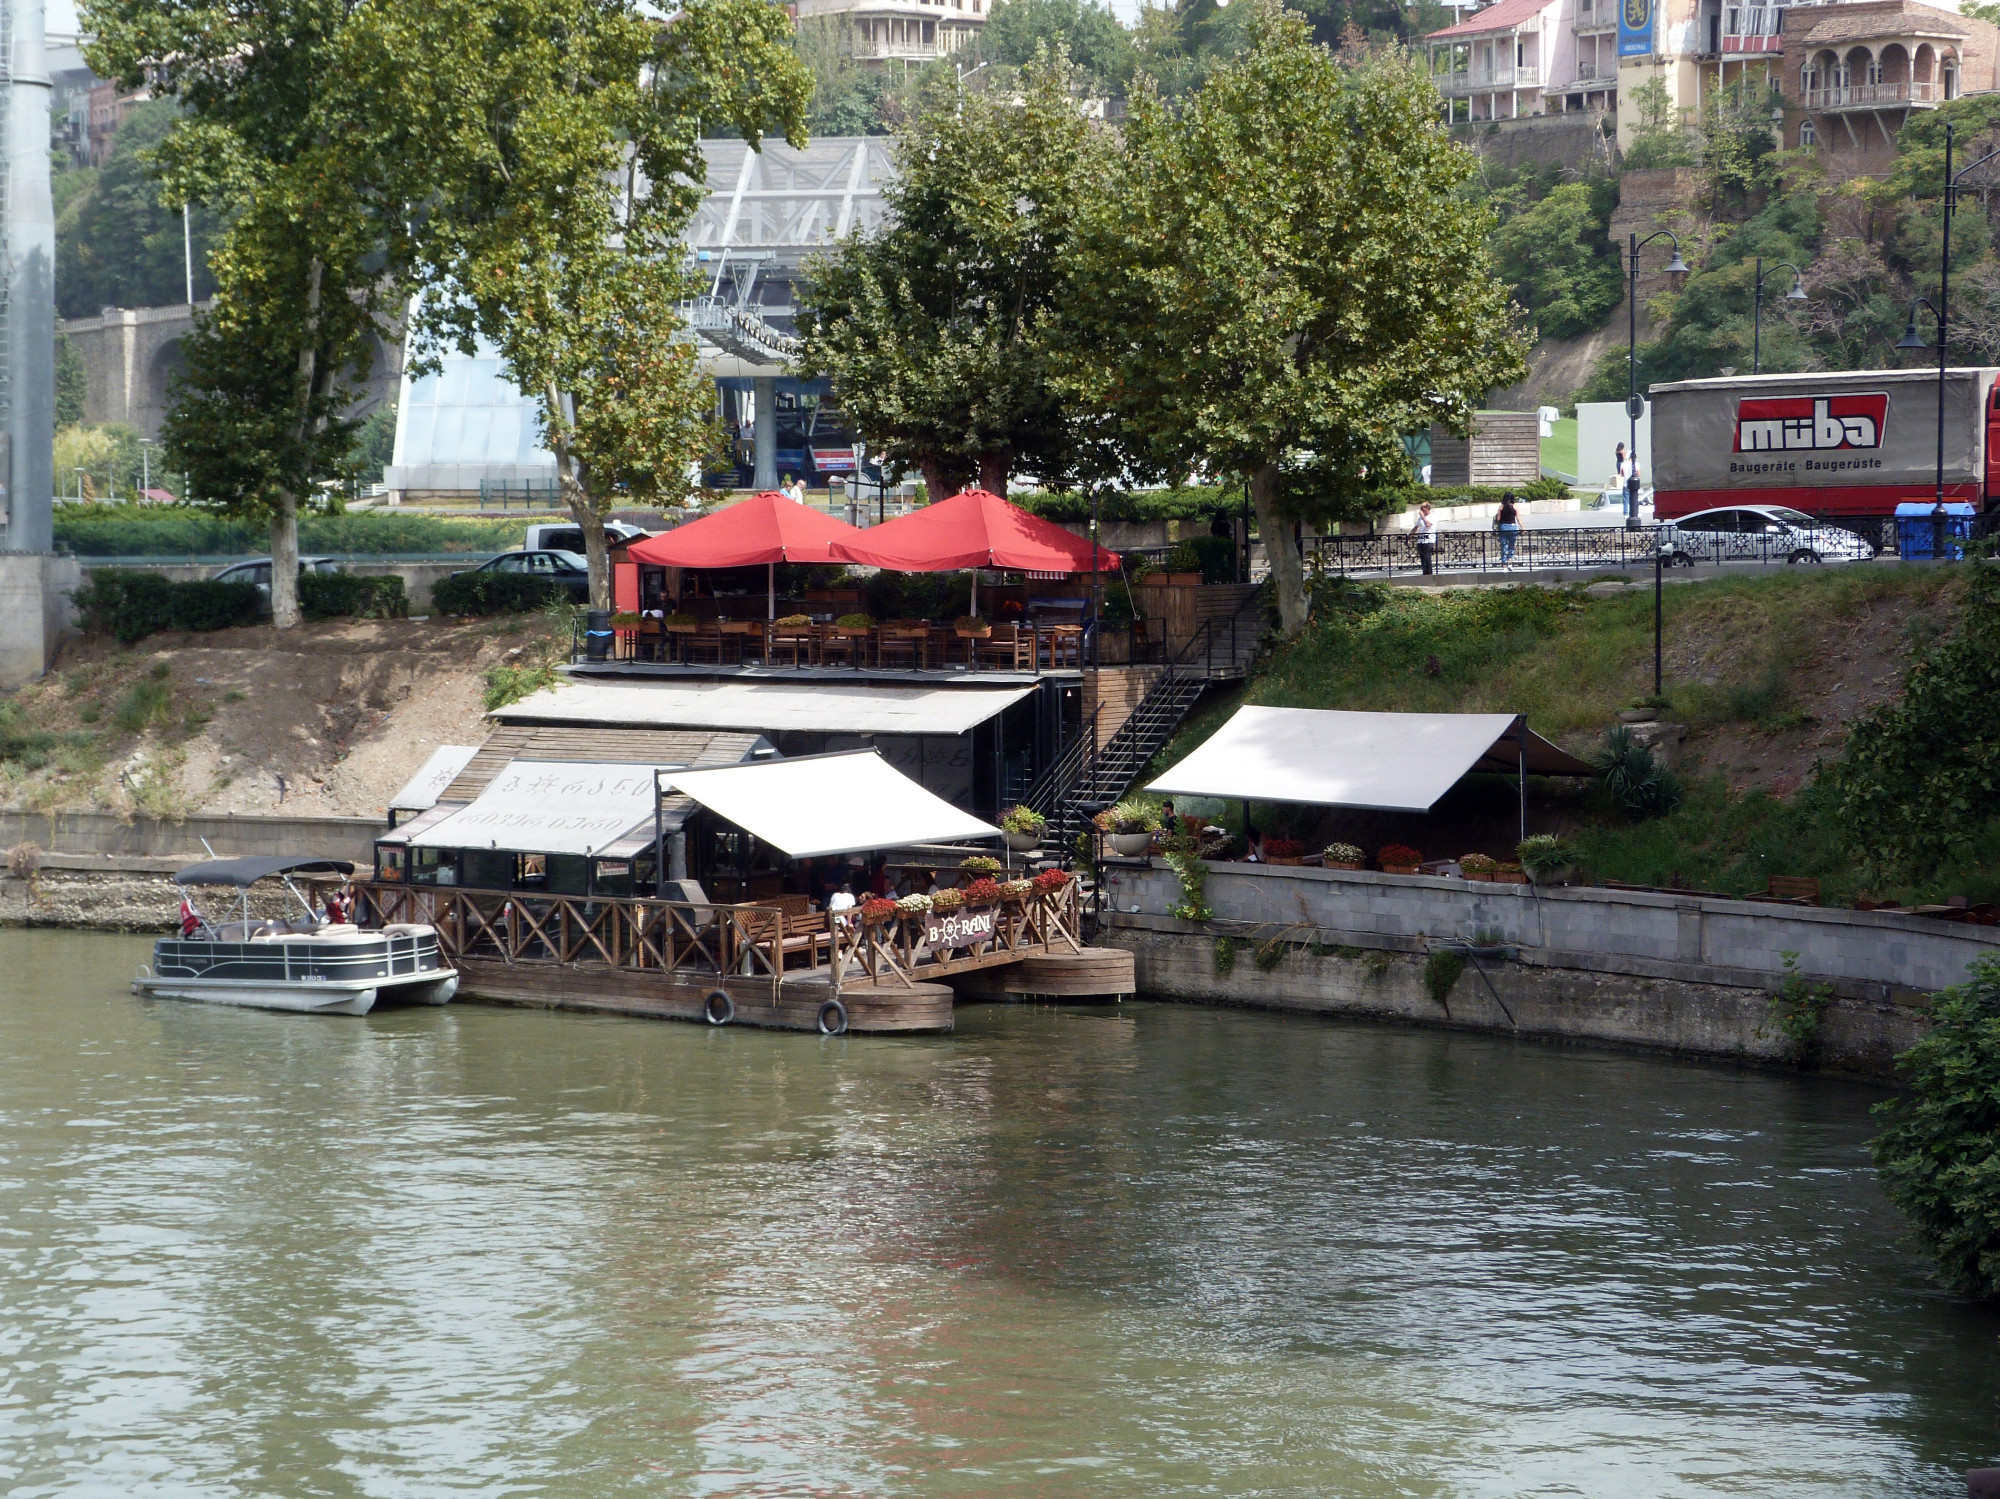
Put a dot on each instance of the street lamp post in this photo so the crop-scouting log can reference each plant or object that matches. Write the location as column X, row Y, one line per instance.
column 1634, row 406
column 145, row 467
column 1796, row 294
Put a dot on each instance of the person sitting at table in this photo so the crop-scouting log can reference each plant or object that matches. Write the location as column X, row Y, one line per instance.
column 841, row 900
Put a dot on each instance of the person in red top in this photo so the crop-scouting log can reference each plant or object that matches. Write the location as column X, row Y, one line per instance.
column 192, row 920
column 878, row 876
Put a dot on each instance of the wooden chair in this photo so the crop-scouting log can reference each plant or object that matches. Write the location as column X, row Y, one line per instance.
column 747, row 635
column 1010, row 645
column 904, row 637
column 851, row 646
column 680, row 641
column 798, row 639
column 1060, row 644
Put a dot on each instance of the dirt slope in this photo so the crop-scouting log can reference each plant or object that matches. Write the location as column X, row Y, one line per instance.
column 324, row 720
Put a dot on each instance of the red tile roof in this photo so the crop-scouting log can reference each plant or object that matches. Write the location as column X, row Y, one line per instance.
column 1504, row 16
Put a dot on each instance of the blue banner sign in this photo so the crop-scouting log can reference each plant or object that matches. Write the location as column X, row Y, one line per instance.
column 1635, row 27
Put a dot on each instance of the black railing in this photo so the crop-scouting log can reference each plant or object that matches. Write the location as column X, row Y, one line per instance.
column 1571, row 548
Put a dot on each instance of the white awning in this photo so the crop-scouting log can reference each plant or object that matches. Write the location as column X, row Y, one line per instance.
column 808, row 707
column 829, row 804
column 422, row 790
column 1383, row 762
column 549, row 807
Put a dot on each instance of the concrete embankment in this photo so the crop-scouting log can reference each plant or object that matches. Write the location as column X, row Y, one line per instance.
column 1685, row 974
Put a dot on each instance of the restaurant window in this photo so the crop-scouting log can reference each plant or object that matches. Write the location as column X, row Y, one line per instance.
column 486, row 868
column 1808, row 134
column 433, row 866
column 389, row 863
column 611, row 877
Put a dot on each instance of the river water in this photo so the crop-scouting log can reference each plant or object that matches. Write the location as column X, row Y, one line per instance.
column 1137, row 1250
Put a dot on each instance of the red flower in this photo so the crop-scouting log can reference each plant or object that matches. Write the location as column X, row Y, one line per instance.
column 876, row 909
column 1049, row 881
column 1399, row 854
column 982, row 892
column 1283, row 848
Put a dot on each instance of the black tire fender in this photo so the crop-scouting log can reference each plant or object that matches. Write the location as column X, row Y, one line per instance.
column 718, row 1008
column 833, row 1018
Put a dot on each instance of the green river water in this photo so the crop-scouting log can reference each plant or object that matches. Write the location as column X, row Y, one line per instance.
column 1135, row 1250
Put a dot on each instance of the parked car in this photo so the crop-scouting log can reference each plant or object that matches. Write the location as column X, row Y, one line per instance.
column 563, row 537
column 566, row 568
column 258, row 570
column 1757, row 533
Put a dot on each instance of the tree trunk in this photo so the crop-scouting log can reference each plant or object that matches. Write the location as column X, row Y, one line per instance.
column 583, row 509
column 938, row 483
column 993, row 472
column 285, row 563
column 1288, row 573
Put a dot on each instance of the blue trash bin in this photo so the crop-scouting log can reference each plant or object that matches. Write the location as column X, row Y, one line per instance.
column 1922, row 533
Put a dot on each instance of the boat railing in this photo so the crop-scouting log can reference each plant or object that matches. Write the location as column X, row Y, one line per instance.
column 677, row 939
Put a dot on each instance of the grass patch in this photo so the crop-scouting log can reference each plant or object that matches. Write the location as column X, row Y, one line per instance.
column 147, row 702
column 30, row 747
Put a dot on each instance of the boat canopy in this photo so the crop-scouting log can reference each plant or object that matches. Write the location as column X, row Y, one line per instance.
column 243, row 873
column 1383, row 762
column 842, row 803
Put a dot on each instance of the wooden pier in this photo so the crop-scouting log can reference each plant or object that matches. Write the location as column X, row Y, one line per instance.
column 750, row 964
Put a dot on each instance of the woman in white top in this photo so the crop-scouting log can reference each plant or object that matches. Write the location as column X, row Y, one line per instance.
column 1427, row 537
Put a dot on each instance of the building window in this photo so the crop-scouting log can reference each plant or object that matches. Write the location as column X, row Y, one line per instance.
column 1808, row 134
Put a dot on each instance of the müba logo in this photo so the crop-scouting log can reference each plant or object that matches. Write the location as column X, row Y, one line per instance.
column 1812, row 424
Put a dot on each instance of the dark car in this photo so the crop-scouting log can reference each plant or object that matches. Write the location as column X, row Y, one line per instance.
column 565, row 568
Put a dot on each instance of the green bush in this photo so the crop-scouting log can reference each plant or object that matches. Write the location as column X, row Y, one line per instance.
column 104, row 530
column 492, row 593
column 351, row 596
column 1409, row 496
column 130, row 605
column 146, row 702
column 1940, row 1154
column 1214, row 557
column 1181, row 502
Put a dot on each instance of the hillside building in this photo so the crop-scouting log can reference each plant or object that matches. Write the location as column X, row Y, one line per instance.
column 885, row 33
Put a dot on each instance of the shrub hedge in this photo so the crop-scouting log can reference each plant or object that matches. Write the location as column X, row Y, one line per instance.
column 351, row 596
column 104, row 530
column 130, row 604
column 492, row 593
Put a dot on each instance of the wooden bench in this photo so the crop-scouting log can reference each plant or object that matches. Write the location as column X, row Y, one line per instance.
column 1797, row 888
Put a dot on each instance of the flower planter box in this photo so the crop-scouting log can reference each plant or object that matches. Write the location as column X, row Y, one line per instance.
column 1274, row 859
column 1183, row 580
column 1484, row 876
column 1510, row 877
column 1346, row 864
column 1399, row 869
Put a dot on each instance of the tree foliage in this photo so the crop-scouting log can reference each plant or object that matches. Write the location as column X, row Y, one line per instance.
column 1939, row 1156
column 117, row 243
column 1088, row 34
column 937, row 330
column 1560, row 260
column 560, row 143
column 1920, row 779
column 1283, row 276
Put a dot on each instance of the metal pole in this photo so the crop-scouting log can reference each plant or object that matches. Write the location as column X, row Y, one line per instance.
column 1943, row 308
column 187, row 251
column 1658, row 580
column 1757, row 323
column 1632, row 355
column 1095, row 582
column 1521, row 740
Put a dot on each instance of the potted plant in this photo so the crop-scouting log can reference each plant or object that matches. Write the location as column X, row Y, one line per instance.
column 854, row 624
column 1014, row 892
column 1049, row 881
column 681, row 623
column 913, row 905
column 972, row 627
column 1478, row 866
column 1546, row 858
column 625, row 619
column 792, row 622
column 1284, row 851
column 1398, row 858
column 947, row 901
column 1022, row 827
column 1342, row 856
column 1509, row 872
column 981, row 866
column 875, row 910
column 1183, row 566
column 1129, row 826
column 982, row 892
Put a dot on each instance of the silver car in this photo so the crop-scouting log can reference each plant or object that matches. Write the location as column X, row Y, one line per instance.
column 258, row 570
column 1757, row 533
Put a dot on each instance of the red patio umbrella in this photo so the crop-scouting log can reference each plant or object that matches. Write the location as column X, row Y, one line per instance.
column 973, row 529
column 765, row 528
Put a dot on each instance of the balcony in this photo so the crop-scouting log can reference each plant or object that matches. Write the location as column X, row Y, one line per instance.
column 1596, row 17
column 1871, row 96
column 1453, row 85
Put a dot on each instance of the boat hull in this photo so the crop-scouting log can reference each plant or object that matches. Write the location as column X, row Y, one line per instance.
column 338, row 971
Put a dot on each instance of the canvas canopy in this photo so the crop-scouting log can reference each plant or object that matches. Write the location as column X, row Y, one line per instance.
column 549, row 807
column 1382, row 762
column 421, row 792
column 829, row 804
column 764, row 528
column 973, row 529
column 811, row 708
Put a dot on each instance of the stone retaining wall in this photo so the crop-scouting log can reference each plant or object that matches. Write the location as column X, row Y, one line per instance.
column 350, row 838
column 1681, row 973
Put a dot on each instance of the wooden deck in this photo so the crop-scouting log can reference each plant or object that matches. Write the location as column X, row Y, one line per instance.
column 748, row 964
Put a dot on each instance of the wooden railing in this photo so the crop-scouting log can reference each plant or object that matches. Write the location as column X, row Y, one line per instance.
column 675, row 939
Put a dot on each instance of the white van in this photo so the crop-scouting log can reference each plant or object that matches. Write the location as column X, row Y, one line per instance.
column 567, row 537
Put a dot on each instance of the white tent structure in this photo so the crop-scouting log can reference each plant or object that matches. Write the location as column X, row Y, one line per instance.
column 421, row 792
column 1379, row 762
column 549, row 807
column 813, row 805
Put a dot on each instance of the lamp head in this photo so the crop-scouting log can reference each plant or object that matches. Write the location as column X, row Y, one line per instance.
column 1677, row 267
column 1910, row 340
column 1798, row 291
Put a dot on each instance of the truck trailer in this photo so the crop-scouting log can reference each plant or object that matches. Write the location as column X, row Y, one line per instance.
column 1849, row 446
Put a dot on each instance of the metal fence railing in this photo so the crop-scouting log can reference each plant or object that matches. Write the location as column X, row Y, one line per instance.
column 1572, row 548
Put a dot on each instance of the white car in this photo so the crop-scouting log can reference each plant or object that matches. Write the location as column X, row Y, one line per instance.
column 1757, row 533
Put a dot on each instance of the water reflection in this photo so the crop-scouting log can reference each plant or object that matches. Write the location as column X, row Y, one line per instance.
column 1139, row 1251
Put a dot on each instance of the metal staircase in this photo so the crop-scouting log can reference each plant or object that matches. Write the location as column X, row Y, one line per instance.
column 1084, row 780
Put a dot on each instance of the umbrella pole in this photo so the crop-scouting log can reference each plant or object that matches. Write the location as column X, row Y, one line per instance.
column 975, row 593
column 770, row 590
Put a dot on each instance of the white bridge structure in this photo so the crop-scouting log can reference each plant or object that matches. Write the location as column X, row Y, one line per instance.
column 466, row 429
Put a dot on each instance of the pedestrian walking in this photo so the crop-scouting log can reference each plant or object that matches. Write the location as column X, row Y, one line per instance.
column 1508, row 524
column 1427, row 538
